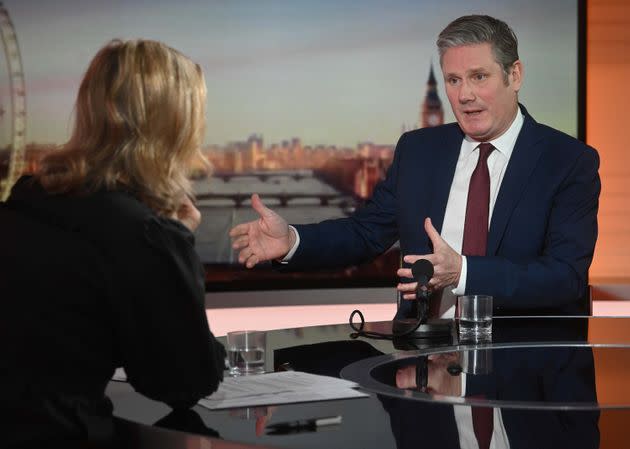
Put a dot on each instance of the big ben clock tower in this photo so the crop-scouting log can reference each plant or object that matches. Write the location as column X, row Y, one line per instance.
column 431, row 112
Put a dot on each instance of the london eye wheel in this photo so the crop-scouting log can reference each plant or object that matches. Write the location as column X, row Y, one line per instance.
column 12, row 156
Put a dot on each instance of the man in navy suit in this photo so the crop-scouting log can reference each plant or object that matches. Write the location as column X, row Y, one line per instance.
column 540, row 207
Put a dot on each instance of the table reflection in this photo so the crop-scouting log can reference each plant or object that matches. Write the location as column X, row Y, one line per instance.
column 524, row 376
column 552, row 376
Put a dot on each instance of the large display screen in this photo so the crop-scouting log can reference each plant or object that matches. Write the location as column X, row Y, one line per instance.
column 306, row 98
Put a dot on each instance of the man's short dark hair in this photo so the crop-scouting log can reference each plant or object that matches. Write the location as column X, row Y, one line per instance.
column 481, row 29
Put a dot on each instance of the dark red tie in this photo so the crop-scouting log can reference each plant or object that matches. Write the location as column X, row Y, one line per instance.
column 474, row 244
column 477, row 206
column 483, row 424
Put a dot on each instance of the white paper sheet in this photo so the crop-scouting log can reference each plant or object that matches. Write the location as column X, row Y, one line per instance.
column 279, row 388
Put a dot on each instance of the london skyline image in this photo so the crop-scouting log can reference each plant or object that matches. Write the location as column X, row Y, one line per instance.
column 327, row 72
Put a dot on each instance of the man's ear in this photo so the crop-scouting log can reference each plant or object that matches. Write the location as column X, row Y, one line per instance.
column 515, row 76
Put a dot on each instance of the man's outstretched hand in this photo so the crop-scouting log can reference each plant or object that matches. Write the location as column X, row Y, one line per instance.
column 267, row 238
column 447, row 265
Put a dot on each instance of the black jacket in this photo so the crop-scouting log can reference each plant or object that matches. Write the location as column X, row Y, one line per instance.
column 88, row 284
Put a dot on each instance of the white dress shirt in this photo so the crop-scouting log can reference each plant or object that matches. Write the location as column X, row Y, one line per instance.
column 455, row 215
column 466, row 431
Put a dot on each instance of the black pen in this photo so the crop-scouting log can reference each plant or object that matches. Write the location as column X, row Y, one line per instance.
column 307, row 425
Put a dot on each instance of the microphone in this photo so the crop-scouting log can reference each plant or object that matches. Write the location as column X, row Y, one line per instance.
column 409, row 327
column 422, row 271
column 421, row 327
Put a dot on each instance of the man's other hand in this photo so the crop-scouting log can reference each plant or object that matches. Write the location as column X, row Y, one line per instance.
column 267, row 238
column 447, row 265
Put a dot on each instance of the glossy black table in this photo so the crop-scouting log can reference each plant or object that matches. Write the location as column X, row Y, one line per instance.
column 553, row 381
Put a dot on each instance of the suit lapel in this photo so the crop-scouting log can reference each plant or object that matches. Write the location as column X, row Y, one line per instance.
column 520, row 167
column 443, row 170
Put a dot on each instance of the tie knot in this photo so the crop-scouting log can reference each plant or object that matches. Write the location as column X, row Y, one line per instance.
column 484, row 150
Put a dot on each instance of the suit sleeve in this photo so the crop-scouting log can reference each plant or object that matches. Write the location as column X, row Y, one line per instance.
column 367, row 233
column 559, row 274
column 169, row 353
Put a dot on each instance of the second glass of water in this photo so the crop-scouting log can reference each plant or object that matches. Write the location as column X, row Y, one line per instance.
column 246, row 352
column 474, row 313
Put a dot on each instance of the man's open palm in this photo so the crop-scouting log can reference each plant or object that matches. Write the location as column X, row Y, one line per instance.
column 267, row 238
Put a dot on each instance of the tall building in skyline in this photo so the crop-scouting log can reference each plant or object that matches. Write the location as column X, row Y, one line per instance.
column 431, row 111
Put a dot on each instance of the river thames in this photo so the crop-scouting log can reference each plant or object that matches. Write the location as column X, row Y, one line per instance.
column 220, row 215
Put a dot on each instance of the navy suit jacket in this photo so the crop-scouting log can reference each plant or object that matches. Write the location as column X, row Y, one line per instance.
column 542, row 233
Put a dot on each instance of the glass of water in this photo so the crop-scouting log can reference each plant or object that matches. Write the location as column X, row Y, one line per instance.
column 246, row 352
column 474, row 315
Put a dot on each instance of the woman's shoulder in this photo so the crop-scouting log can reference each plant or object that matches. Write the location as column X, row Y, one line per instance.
column 77, row 209
column 109, row 218
column 120, row 204
column 124, row 210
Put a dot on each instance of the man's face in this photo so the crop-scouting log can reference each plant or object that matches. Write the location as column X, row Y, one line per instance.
column 483, row 103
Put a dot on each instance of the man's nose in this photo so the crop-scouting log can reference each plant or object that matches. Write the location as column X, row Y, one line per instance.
column 466, row 93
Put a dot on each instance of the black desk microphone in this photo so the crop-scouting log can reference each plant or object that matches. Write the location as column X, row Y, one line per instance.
column 418, row 327
column 421, row 326
column 422, row 271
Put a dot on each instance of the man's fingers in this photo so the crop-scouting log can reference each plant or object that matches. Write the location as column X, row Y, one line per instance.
column 407, row 286
column 240, row 242
column 259, row 207
column 411, row 259
column 246, row 253
column 241, row 229
column 252, row 261
column 435, row 237
column 408, row 289
column 248, row 257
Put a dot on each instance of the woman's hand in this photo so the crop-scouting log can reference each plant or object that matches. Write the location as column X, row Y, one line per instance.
column 188, row 214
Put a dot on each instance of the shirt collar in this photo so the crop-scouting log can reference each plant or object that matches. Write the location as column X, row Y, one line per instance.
column 504, row 143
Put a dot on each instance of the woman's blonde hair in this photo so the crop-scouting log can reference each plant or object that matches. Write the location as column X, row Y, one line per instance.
column 140, row 119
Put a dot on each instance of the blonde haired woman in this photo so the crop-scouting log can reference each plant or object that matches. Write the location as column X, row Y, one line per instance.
column 103, row 272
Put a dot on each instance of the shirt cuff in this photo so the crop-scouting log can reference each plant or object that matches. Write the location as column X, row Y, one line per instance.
column 293, row 249
column 461, row 286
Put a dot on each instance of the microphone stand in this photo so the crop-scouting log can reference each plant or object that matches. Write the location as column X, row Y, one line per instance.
column 435, row 328
column 419, row 327
column 430, row 328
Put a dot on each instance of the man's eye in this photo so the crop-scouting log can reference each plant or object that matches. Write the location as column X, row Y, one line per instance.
column 453, row 81
column 480, row 76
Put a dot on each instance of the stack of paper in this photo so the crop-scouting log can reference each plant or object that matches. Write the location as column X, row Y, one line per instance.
column 279, row 388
